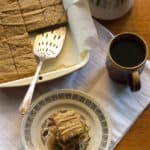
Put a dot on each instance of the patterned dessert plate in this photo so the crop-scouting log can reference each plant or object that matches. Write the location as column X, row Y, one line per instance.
column 96, row 118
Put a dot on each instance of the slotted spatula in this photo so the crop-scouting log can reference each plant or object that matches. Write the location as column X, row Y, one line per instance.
column 47, row 45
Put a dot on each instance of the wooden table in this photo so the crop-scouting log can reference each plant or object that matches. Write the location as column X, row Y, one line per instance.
column 137, row 20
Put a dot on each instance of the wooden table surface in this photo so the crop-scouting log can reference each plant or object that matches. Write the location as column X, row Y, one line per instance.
column 137, row 20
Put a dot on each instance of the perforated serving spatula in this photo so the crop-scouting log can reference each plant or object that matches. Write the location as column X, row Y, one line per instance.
column 47, row 45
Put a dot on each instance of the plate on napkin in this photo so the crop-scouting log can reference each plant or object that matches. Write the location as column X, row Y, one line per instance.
column 44, row 106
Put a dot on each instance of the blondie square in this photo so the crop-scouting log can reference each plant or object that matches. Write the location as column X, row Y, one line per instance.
column 8, row 71
column 46, row 3
column 5, row 52
column 55, row 15
column 29, row 5
column 10, row 8
column 12, row 25
column 34, row 20
column 26, row 65
column 20, row 45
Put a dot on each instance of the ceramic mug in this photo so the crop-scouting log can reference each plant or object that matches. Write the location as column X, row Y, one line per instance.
column 126, row 58
column 110, row 9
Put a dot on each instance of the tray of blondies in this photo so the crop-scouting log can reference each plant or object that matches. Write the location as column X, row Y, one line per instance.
column 20, row 21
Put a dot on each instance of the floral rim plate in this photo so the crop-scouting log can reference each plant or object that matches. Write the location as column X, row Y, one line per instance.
column 96, row 118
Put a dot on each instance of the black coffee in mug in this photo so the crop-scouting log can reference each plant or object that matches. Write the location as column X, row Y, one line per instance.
column 128, row 50
column 126, row 58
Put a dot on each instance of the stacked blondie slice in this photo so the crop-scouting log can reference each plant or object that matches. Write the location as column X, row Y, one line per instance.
column 17, row 18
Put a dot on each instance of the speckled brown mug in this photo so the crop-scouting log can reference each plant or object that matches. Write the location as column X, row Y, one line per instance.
column 126, row 58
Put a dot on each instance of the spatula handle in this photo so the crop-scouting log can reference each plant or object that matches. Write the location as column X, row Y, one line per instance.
column 28, row 97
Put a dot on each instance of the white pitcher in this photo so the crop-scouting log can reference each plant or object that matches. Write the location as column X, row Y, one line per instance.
column 109, row 9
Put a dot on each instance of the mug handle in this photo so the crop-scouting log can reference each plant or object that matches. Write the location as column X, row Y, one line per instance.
column 134, row 81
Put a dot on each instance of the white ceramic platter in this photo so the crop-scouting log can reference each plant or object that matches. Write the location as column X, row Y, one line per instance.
column 68, row 61
column 44, row 106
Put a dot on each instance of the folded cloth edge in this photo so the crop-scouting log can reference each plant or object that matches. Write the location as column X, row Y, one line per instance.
column 81, row 23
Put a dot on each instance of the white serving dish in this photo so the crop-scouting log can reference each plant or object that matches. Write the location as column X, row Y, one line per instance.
column 68, row 61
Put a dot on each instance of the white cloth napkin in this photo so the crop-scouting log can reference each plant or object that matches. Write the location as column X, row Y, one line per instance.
column 81, row 24
column 122, row 106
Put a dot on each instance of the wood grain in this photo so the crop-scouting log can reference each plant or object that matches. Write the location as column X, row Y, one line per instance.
column 137, row 20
